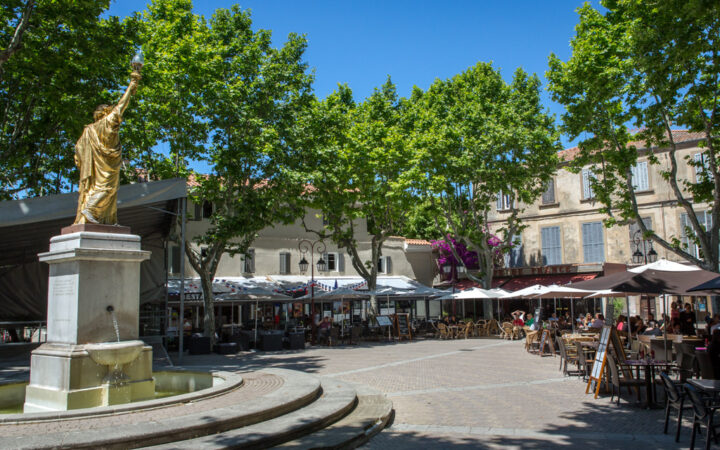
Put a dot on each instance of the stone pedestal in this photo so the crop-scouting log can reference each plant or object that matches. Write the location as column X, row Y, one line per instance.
column 89, row 271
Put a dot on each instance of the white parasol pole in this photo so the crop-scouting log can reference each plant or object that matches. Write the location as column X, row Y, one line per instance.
column 256, row 312
column 572, row 313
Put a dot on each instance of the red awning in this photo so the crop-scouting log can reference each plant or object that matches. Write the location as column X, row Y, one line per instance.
column 517, row 283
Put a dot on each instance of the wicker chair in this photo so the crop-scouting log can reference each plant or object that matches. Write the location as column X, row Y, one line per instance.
column 466, row 331
column 481, row 328
column 508, row 331
column 444, row 331
column 531, row 338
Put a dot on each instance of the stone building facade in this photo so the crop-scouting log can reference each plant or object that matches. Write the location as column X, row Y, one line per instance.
column 564, row 226
column 275, row 252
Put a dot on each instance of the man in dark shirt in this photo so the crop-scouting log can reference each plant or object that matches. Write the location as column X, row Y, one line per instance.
column 687, row 321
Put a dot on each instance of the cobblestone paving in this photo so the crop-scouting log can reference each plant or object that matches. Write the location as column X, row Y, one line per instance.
column 479, row 393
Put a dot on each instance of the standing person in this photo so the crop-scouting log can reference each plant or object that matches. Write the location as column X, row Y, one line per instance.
column 687, row 320
column 674, row 311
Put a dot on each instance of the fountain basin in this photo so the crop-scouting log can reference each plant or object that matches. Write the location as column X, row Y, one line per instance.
column 114, row 353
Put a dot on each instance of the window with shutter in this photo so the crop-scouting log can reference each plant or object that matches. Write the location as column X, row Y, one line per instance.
column 548, row 197
column 593, row 243
column 331, row 262
column 503, row 201
column 701, row 167
column 174, row 259
column 551, row 246
column 640, row 176
column 249, row 261
column 197, row 211
column 515, row 258
column 688, row 235
column 207, row 209
column 384, row 265
column 284, row 263
column 588, row 193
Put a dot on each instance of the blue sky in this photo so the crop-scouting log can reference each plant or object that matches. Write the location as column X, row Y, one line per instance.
column 362, row 42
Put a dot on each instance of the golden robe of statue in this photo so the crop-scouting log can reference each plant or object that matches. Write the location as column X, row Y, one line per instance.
column 98, row 157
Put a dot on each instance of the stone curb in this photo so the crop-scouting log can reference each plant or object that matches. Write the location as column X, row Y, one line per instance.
column 297, row 391
column 337, row 400
column 232, row 381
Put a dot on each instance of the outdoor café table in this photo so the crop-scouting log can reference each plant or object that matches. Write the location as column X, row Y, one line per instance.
column 711, row 387
column 649, row 366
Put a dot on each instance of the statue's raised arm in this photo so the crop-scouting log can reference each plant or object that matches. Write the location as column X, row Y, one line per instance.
column 99, row 157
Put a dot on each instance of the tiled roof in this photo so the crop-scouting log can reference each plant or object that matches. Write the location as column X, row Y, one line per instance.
column 679, row 136
column 417, row 242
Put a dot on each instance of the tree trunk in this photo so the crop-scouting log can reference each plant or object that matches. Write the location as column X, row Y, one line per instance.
column 209, row 303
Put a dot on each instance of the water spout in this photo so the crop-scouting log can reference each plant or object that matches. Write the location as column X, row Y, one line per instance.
column 111, row 310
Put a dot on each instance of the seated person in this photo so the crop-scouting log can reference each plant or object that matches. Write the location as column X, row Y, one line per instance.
column 553, row 317
column 599, row 321
column 651, row 322
column 324, row 327
column 621, row 323
column 518, row 322
column 453, row 320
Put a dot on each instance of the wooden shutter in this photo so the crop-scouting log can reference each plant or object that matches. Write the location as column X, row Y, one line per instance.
column 340, row 261
column 284, row 263
column 250, row 261
column 388, row 265
column 640, row 176
column 548, row 196
column 587, row 185
column 593, row 245
column 174, row 260
column 551, row 246
column 700, row 166
column 499, row 204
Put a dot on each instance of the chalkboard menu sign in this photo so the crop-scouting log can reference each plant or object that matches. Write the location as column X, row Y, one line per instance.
column 598, row 368
column 383, row 321
column 402, row 326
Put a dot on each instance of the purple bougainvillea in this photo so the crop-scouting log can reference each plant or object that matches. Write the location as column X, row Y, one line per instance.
column 470, row 258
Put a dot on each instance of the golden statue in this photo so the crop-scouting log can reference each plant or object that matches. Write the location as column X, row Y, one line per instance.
column 98, row 157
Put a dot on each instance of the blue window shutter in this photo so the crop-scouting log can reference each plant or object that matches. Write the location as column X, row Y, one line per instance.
column 593, row 245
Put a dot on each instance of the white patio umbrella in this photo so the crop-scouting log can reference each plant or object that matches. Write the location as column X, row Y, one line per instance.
column 665, row 266
column 555, row 291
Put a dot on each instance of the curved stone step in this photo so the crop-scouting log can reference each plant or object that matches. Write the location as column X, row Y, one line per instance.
column 371, row 414
column 298, row 390
column 337, row 400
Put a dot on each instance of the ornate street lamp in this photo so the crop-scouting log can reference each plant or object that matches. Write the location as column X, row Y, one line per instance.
column 138, row 60
column 306, row 246
column 647, row 254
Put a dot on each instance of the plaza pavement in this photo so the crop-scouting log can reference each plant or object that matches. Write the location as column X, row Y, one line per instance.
column 474, row 393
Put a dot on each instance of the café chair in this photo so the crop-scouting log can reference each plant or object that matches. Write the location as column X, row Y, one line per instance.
column 585, row 363
column 567, row 358
column 617, row 382
column 674, row 398
column 703, row 414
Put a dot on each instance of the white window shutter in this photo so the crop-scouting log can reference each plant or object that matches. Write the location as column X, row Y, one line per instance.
column 341, row 262
column 640, row 176
column 699, row 166
column 499, row 201
column 587, row 188
column 388, row 265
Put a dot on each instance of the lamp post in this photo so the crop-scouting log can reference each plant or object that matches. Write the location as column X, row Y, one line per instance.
column 648, row 255
column 306, row 246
